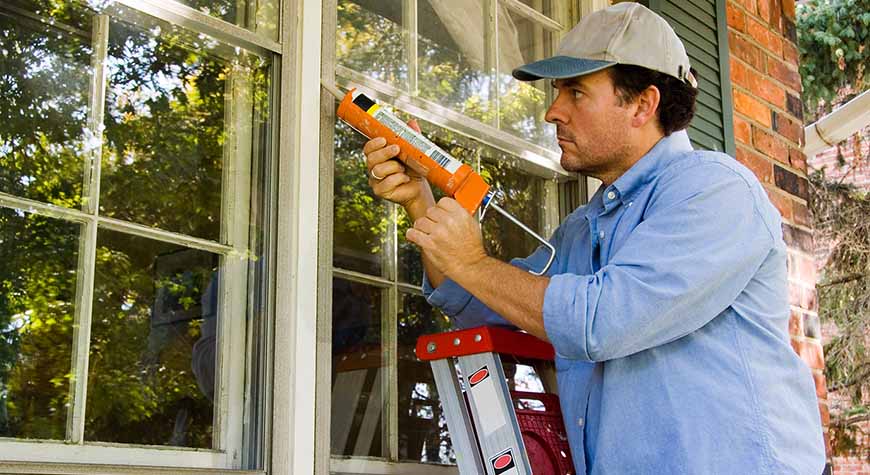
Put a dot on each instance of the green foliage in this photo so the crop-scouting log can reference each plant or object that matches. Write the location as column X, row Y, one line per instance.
column 834, row 41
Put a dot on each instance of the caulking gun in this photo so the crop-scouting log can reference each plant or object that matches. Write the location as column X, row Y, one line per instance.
column 454, row 178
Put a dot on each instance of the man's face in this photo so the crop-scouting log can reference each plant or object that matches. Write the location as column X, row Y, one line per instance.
column 592, row 127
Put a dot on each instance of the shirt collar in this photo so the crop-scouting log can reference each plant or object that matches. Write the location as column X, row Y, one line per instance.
column 647, row 168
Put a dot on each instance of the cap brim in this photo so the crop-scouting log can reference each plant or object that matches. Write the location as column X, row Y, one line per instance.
column 559, row 67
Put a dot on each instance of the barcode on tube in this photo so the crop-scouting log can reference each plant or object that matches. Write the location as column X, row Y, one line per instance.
column 422, row 143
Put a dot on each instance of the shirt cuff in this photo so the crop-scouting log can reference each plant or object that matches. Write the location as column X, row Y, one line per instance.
column 565, row 315
column 450, row 297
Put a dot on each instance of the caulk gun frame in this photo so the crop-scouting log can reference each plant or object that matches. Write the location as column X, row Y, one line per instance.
column 497, row 195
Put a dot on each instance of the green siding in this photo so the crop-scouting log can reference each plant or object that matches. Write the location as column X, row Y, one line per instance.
column 701, row 25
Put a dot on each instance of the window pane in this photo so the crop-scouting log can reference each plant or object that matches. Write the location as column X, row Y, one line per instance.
column 543, row 6
column 182, row 112
column 38, row 260
column 523, row 199
column 358, row 370
column 45, row 74
column 423, row 435
column 241, row 13
column 153, row 343
column 361, row 218
column 524, row 104
column 369, row 39
column 452, row 56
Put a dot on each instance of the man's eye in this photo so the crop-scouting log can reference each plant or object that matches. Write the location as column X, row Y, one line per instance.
column 577, row 94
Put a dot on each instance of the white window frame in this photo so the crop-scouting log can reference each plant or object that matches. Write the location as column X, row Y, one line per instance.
column 75, row 455
column 535, row 160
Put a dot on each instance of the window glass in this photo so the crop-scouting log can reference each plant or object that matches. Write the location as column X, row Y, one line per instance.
column 542, row 6
column 359, row 376
column 423, row 435
column 260, row 16
column 452, row 56
column 523, row 104
column 369, row 39
column 45, row 73
column 361, row 219
column 523, row 198
column 153, row 343
column 38, row 259
column 170, row 134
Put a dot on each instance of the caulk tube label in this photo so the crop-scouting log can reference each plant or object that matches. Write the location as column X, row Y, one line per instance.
column 401, row 129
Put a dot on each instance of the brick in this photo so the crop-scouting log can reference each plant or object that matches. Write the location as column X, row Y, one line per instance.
column 796, row 238
column 782, row 203
column 806, row 272
column 766, row 38
column 769, row 145
column 794, row 106
column 825, row 414
column 801, row 214
column 810, row 352
column 749, row 5
column 809, row 298
column 742, row 131
column 812, row 326
column 745, row 50
column 788, row 9
column 759, row 165
column 787, row 128
column 739, row 72
column 790, row 53
column 748, row 106
column 791, row 182
column 736, row 17
column 783, row 73
column 776, row 16
column 797, row 159
column 766, row 89
column 795, row 324
column 789, row 30
column 764, row 10
column 821, row 387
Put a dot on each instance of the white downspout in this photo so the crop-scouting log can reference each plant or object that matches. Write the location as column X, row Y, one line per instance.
column 838, row 125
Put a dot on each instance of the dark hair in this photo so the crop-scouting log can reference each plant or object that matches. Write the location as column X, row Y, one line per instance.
column 677, row 103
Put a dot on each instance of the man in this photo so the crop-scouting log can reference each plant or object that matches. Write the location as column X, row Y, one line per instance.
column 667, row 302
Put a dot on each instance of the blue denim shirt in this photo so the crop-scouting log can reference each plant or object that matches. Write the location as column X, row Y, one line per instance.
column 668, row 310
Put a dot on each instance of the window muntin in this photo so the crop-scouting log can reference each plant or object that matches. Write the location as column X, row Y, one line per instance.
column 237, row 84
column 370, row 39
column 259, row 16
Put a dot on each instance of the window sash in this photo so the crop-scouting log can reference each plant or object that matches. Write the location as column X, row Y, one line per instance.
column 229, row 414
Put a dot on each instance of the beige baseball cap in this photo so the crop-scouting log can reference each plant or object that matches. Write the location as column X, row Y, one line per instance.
column 625, row 33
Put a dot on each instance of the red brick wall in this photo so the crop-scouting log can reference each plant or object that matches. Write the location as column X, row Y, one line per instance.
column 856, row 175
column 768, row 131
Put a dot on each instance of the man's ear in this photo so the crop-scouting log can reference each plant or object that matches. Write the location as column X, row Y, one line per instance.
column 647, row 103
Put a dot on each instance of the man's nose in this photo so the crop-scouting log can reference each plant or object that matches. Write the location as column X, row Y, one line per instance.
column 556, row 113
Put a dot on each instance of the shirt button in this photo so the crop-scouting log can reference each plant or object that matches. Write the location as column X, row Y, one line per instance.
column 600, row 234
column 630, row 203
column 580, row 422
column 611, row 195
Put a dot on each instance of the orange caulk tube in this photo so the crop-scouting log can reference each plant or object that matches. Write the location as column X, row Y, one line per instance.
column 453, row 177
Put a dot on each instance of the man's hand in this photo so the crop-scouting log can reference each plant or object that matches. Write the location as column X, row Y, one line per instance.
column 449, row 237
column 392, row 180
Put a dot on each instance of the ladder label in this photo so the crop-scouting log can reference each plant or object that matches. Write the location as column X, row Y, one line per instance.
column 486, row 401
column 503, row 463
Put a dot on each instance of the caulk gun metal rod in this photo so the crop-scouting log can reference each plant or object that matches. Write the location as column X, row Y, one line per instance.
column 528, row 230
column 332, row 89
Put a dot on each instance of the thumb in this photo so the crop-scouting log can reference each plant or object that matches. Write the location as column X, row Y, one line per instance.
column 414, row 125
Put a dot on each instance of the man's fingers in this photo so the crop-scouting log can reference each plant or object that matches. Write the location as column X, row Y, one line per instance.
column 385, row 169
column 425, row 224
column 374, row 144
column 381, row 155
column 437, row 214
column 419, row 238
column 449, row 204
column 414, row 125
column 386, row 186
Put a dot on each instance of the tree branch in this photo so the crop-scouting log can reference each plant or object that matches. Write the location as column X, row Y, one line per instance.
column 842, row 280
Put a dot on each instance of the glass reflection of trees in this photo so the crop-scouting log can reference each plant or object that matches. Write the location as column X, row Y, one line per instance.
column 164, row 148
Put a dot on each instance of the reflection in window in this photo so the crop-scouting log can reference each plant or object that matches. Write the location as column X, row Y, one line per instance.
column 260, row 16
column 153, row 343
column 369, row 39
column 361, row 218
column 38, row 258
column 45, row 72
column 423, row 435
column 169, row 132
column 524, row 104
column 358, row 370
column 523, row 198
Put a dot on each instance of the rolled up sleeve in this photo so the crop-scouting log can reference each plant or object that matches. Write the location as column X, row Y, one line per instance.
column 683, row 265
